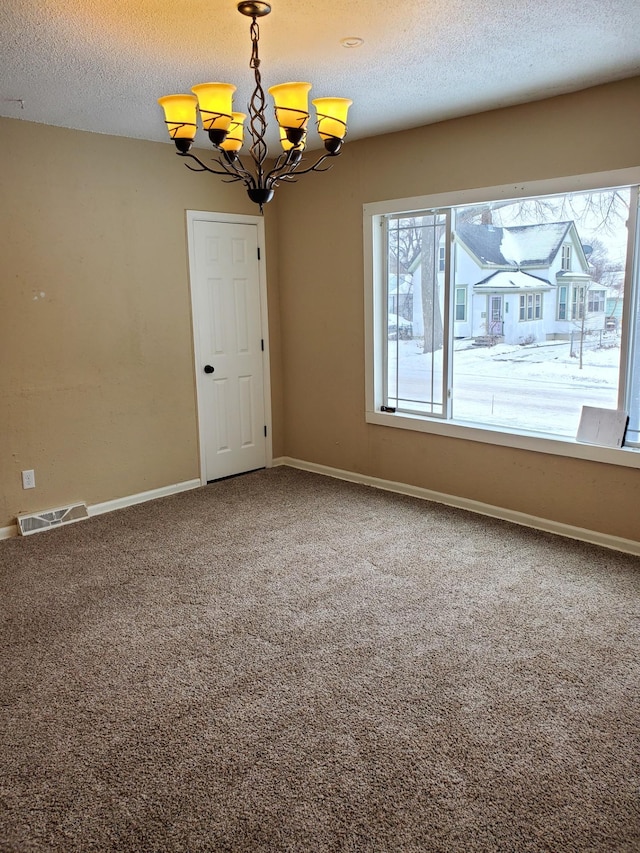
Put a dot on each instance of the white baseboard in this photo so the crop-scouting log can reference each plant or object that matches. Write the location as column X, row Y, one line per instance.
column 142, row 497
column 120, row 503
column 616, row 543
column 8, row 532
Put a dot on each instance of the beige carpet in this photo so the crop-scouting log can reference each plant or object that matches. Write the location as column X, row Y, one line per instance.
column 284, row 662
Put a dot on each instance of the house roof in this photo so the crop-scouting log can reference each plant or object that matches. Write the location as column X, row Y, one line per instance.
column 514, row 246
column 511, row 280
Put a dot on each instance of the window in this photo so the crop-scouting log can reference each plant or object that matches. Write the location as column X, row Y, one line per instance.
column 562, row 303
column 523, row 307
column 581, row 297
column 577, row 302
column 461, row 303
column 499, row 380
column 530, row 306
column 416, row 240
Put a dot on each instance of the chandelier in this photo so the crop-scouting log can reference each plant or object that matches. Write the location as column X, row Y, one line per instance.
column 226, row 128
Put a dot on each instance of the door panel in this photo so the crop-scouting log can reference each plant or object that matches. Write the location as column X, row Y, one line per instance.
column 228, row 330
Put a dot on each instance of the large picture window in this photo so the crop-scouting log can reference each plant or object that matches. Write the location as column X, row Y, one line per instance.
column 521, row 311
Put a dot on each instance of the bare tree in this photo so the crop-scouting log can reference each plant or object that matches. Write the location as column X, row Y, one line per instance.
column 603, row 272
column 603, row 269
column 413, row 243
column 433, row 330
column 606, row 210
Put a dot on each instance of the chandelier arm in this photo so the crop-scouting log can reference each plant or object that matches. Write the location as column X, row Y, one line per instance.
column 204, row 168
column 288, row 171
column 236, row 167
column 292, row 178
column 313, row 168
column 282, row 165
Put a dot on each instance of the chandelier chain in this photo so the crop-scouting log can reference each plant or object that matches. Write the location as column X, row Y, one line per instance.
column 255, row 37
column 257, row 120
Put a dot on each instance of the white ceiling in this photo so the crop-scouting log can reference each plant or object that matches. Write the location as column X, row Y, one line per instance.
column 100, row 65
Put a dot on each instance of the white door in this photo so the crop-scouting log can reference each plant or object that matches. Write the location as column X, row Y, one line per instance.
column 229, row 346
column 495, row 315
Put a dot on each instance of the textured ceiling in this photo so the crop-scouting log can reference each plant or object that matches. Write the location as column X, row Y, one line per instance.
column 100, row 65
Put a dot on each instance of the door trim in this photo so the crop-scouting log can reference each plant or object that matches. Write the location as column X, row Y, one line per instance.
column 230, row 219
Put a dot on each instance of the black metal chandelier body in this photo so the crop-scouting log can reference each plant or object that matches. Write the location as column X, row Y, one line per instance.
column 225, row 128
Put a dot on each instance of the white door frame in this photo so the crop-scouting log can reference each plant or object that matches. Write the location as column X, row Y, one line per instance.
column 229, row 219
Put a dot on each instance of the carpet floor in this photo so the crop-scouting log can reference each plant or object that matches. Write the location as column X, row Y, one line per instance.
column 286, row 662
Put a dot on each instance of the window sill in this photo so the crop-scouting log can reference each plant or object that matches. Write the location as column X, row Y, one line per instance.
column 628, row 457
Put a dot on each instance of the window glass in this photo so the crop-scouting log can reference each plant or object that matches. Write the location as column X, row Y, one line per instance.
column 415, row 334
column 536, row 288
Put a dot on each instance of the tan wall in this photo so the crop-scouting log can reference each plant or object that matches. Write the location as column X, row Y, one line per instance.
column 96, row 378
column 321, row 292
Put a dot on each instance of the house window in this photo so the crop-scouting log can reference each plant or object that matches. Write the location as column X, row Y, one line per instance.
column 523, row 307
column 566, row 257
column 480, row 387
column 577, row 301
column 530, row 306
column 562, row 303
column 461, row 303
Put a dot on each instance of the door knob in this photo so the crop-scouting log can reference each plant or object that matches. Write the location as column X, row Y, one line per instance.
column 208, row 368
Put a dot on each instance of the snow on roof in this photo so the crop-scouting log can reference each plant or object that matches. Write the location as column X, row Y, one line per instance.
column 518, row 245
column 584, row 276
column 508, row 280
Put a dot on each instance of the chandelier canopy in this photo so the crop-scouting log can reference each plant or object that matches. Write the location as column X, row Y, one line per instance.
column 226, row 128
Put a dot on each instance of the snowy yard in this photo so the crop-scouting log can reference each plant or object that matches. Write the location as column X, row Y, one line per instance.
column 539, row 387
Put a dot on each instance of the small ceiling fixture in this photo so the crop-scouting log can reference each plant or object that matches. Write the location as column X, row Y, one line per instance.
column 226, row 128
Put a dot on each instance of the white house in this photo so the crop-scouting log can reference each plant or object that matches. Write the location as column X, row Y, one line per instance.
column 524, row 283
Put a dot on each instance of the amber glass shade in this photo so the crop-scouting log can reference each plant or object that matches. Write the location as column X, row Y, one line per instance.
column 214, row 101
column 332, row 116
column 292, row 104
column 180, row 115
column 287, row 146
column 235, row 137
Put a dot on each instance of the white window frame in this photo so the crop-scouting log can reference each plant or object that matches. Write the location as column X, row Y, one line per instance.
column 522, row 314
column 578, row 301
column 376, row 316
column 566, row 257
column 563, row 288
column 530, row 307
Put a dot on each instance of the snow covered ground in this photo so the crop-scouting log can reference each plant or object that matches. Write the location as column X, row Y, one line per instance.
column 539, row 387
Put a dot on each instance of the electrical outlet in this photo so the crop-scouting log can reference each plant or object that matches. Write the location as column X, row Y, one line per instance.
column 29, row 479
